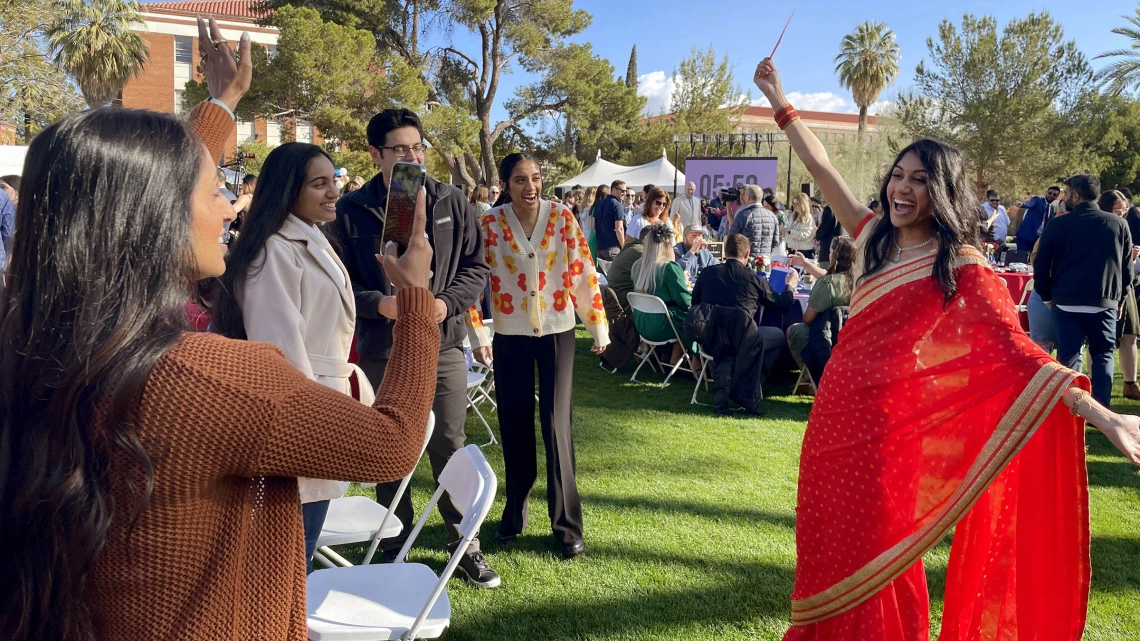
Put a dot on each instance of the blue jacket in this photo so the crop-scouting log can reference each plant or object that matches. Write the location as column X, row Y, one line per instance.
column 760, row 226
column 606, row 215
column 1035, row 210
column 7, row 226
column 692, row 263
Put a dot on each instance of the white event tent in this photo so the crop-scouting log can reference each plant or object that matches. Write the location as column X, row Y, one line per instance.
column 660, row 172
column 12, row 159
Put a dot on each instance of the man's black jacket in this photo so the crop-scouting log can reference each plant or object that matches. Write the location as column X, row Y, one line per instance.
column 459, row 268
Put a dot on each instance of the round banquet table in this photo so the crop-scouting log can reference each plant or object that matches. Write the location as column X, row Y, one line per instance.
column 1016, row 284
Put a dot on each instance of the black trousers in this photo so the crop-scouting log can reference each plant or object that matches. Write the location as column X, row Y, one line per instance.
column 450, row 407
column 516, row 358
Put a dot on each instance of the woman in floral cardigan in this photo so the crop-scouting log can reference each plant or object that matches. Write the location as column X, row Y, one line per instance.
column 542, row 272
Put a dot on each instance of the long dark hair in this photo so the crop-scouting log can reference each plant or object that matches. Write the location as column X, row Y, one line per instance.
column 100, row 274
column 508, row 165
column 842, row 255
column 953, row 205
column 280, row 182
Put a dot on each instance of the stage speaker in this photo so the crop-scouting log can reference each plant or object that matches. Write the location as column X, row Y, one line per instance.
column 808, row 188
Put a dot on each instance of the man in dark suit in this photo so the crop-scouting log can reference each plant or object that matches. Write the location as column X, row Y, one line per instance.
column 734, row 284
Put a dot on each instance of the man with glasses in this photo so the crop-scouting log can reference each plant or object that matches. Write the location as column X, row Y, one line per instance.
column 995, row 219
column 627, row 202
column 494, row 194
column 609, row 222
column 459, row 273
column 1037, row 211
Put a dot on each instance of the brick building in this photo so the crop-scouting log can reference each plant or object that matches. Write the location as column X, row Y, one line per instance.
column 171, row 31
column 831, row 127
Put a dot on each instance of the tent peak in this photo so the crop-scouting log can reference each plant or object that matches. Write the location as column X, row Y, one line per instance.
column 599, row 156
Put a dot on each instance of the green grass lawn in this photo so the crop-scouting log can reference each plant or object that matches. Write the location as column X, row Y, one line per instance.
column 689, row 522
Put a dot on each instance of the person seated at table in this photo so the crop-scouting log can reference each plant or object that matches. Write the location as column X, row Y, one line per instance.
column 692, row 253
column 733, row 284
column 831, row 290
column 620, row 274
column 657, row 274
column 655, row 210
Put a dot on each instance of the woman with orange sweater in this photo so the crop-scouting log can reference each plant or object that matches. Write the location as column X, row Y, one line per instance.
column 148, row 475
column 541, row 273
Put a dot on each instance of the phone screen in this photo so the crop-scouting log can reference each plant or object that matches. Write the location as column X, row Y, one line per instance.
column 404, row 187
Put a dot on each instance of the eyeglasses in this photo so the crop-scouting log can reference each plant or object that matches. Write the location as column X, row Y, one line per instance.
column 659, row 203
column 401, row 151
column 995, row 200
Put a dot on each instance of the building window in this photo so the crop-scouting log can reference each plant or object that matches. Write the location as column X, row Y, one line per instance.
column 304, row 131
column 183, row 50
column 271, row 50
column 245, row 131
column 273, row 132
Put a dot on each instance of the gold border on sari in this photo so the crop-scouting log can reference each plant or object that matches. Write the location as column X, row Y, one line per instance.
column 880, row 285
column 1018, row 424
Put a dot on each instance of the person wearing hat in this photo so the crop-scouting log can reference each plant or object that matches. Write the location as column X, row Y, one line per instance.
column 692, row 253
column 341, row 178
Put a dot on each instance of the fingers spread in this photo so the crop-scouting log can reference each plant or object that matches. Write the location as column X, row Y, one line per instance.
column 203, row 37
column 215, row 31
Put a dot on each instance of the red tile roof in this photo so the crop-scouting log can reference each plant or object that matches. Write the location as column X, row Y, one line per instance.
column 240, row 9
column 827, row 116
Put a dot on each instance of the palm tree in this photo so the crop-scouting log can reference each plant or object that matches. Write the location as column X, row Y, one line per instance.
column 92, row 40
column 1123, row 73
column 868, row 62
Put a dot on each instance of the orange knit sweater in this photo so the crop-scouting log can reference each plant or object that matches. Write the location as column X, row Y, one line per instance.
column 218, row 552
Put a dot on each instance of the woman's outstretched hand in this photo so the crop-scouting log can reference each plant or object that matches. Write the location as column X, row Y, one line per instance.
column 413, row 268
column 1125, row 435
column 768, row 81
column 227, row 77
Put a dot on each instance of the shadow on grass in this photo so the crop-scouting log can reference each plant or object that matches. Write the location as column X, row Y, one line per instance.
column 1114, row 564
column 733, row 512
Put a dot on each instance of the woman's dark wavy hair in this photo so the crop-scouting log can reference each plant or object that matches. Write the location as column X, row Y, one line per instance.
column 842, row 256
column 100, row 274
column 953, row 205
column 506, row 166
column 280, row 182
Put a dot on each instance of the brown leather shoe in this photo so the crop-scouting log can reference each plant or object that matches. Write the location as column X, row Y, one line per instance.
column 1132, row 391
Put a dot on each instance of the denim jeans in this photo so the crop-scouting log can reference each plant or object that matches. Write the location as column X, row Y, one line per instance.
column 313, row 516
column 1099, row 329
column 1041, row 327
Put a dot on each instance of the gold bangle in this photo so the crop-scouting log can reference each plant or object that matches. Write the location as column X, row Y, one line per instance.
column 1078, row 398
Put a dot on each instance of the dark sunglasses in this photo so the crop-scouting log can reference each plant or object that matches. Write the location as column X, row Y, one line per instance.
column 995, row 200
column 660, row 202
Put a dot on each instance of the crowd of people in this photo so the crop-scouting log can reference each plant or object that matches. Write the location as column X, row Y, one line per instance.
column 143, row 463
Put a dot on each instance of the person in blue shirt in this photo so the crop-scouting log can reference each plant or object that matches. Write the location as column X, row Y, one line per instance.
column 7, row 227
column 692, row 252
column 1037, row 210
column 609, row 222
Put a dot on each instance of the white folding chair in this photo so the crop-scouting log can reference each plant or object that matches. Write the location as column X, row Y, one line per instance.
column 648, row 304
column 604, row 266
column 402, row 600
column 1023, row 304
column 354, row 519
column 477, row 379
column 706, row 363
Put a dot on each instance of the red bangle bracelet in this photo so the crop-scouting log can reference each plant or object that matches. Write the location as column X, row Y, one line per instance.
column 789, row 122
column 786, row 117
column 779, row 115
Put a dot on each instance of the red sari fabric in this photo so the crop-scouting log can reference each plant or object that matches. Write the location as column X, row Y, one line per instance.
column 933, row 415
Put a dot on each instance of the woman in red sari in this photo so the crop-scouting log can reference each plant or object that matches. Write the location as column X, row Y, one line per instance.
column 937, row 412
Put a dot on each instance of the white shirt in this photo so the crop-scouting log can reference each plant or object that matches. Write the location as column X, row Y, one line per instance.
column 1001, row 225
column 688, row 208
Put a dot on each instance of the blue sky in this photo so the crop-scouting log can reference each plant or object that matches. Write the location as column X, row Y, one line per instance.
column 665, row 30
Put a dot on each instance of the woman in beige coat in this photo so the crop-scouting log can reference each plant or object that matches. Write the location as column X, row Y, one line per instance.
column 285, row 285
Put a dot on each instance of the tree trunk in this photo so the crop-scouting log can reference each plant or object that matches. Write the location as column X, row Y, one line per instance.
column 862, row 122
column 487, row 153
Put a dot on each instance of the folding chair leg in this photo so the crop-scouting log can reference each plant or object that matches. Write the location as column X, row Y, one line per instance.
column 700, row 378
column 479, row 414
column 639, row 365
column 326, row 557
column 680, row 362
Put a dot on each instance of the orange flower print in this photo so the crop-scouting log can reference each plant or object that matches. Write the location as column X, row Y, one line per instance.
column 542, row 303
column 559, row 300
column 577, row 267
column 486, row 221
column 522, row 281
column 508, row 235
column 542, row 280
column 571, row 243
column 503, row 224
column 551, row 257
column 490, row 239
column 495, row 299
column 567, row 231
column 574, row 299
column 506, row 307
column 491, row 259
column 475, row 316
column 496, row 283
column 595, row 318
column 545, row 242
column 567, row 280
column 523, row 305
column 509, row 261
column 592, row 281
column 598, row 302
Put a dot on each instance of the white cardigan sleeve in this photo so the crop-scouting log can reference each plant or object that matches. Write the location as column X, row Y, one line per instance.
column 271, row 304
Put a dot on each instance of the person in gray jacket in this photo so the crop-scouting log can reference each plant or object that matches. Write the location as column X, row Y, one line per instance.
column 759, row 225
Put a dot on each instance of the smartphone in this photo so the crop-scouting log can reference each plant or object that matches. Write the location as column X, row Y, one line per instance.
column 400, row 211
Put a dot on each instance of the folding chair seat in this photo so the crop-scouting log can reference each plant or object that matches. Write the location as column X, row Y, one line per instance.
column 648, row 304
column 402, row 600
column 357, row 519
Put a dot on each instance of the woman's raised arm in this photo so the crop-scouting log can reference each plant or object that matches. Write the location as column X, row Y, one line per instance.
column 847, row 209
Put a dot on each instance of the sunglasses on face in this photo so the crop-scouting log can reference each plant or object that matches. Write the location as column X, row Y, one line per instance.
column 659, row 203
column 995, row 200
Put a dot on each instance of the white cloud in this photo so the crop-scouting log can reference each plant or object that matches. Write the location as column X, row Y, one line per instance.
column 825, row 101
column 658, row 89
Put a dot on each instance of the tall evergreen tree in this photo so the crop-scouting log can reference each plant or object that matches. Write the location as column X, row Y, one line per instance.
column 631, row 70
